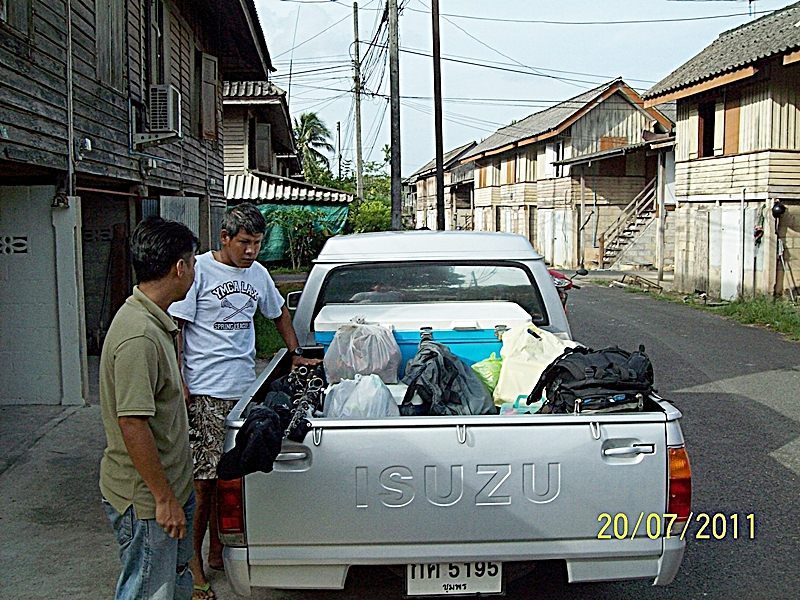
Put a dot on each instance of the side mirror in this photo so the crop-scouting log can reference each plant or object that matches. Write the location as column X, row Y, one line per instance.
column 581, row 272
column 293, row 299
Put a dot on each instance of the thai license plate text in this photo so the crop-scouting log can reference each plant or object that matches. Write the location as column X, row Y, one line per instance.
column 425, row 579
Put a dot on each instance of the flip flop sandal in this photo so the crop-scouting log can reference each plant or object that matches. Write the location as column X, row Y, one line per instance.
column 203, row 592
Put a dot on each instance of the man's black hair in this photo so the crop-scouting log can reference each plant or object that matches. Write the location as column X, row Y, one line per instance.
column 244, row 216
column 157, row 244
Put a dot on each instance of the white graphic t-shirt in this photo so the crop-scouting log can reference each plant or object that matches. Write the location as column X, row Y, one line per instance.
column 219, row 340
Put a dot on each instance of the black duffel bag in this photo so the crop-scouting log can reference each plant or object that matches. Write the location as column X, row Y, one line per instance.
column 583, row 380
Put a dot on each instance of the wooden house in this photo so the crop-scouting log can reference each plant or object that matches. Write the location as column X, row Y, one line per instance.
column 737, row 155
column 262, row 165
column 110, row 110
column 564, row 176
column 458, row 184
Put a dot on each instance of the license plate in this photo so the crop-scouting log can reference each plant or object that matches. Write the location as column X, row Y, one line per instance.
column 451, row 579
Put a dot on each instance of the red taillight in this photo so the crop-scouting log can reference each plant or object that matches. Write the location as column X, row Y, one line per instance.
column 230, row 506
column 680, row 484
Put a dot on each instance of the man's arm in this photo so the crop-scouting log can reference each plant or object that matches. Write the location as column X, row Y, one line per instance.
column 141, row 447
column 284, row 326
column 181, row 324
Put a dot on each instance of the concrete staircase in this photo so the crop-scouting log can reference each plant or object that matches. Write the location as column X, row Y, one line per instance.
column 635, row 217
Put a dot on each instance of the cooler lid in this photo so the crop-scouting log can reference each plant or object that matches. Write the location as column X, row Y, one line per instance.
column 407, row 316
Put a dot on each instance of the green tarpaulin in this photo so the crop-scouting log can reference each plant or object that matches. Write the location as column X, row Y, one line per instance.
column 275, row 247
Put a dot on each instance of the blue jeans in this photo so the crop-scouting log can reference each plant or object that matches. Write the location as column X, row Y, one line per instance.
column 154, row 565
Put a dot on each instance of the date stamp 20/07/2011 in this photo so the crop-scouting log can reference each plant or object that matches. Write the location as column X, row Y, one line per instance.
column 708, row 526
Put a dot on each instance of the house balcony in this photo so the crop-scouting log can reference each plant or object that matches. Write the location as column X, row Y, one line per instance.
column 772, row 173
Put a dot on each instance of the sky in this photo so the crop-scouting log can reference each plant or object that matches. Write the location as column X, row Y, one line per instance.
column 531, row 64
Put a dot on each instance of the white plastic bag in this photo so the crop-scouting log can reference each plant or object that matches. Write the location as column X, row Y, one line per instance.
column 361, row 349
column 365, row 397
column 526, row 351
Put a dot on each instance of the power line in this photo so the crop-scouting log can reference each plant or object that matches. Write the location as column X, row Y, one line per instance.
column 617, row 22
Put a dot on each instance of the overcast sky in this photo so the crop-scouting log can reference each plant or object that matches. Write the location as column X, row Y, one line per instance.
column 552, row 61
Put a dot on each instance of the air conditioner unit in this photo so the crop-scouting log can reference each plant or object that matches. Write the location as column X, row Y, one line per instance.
column 164, row 111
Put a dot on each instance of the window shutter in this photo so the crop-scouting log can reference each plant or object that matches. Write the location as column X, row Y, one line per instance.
column 208, row 94
column 264, row 147
column 731, row 143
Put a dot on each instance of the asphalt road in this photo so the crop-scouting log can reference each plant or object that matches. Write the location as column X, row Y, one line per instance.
column 739, row 390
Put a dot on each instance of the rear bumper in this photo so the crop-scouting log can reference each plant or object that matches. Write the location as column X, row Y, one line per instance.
column 325, row 567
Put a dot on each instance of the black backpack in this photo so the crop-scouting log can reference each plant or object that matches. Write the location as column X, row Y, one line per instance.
column 583, row 380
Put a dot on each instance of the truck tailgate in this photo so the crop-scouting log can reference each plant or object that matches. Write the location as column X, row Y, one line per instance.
column 429, row 480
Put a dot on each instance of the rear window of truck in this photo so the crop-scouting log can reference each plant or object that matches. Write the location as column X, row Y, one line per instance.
column 413, row 282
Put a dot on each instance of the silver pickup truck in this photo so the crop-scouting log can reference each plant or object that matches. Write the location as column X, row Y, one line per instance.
column 457, row 503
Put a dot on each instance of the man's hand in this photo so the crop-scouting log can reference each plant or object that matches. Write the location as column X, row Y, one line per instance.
column 298, row 361
column 171, row 518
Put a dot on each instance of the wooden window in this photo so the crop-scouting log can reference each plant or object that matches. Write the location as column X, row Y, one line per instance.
column 607, row 142
column 553, row 153
column 507, row 175
column 496, row 172
column 264, row 147
column 531, row 156
column 731, row 143
column 208, row 97
column 705, row 129
column 481, row 176
column 110, row 41
column 17, row 13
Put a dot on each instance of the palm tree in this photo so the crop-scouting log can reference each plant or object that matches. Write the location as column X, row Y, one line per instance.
column 312, row 137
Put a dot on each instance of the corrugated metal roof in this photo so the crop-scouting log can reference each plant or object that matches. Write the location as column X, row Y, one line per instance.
column 772, row 34
column 539, row 122
column 264, row 187
column 250, row 90
column 453, row 154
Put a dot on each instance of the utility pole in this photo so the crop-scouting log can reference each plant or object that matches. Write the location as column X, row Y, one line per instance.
column 394, row 93
column 339, row 146
column 437, row 116
column 357, row 88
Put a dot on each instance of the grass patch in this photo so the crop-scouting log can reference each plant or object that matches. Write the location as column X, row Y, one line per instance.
column 268, row 340
column 287, row 270
column 778, row 315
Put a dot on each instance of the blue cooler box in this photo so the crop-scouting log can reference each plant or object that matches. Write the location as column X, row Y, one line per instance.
column 469, row 329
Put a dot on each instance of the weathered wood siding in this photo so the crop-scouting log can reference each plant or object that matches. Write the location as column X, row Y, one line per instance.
column 487, row 196
column 557, row 191
column 616, row 117
column 769, row 116
column 772, row 172
column 235, row 133
column 100, row 111
column 786, row 108
column 33, row 99
column 518, row 194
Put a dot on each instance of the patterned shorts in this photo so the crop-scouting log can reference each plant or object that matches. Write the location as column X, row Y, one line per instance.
column 207, row 433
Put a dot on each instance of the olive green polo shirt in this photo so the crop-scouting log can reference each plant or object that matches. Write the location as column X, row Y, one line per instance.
column 140, row 376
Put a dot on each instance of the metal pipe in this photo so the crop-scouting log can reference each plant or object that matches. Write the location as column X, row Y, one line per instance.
column 741, row 215
column 70, row 108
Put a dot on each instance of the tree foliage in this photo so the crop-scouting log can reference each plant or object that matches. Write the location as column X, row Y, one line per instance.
column 370, row 215
column 305, row 233
column 312, row 137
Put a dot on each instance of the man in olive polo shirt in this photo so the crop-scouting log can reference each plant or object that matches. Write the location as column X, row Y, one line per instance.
column 146, row 469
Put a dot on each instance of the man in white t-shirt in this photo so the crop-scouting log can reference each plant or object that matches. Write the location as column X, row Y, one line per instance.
column 219, row 348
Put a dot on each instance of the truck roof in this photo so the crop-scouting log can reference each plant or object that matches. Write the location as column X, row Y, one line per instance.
column 426, row 245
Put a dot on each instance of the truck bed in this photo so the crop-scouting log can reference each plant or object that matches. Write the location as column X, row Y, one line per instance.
column 459, row 488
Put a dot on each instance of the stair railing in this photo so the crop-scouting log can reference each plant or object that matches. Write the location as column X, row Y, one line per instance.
column 644, row 200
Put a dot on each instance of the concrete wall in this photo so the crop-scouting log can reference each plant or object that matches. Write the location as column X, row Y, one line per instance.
column 39, row 299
